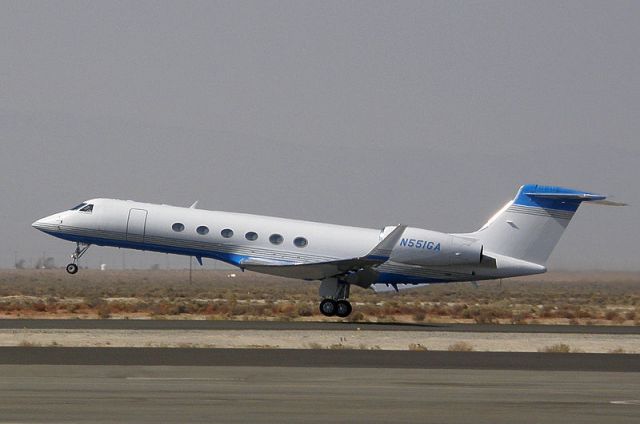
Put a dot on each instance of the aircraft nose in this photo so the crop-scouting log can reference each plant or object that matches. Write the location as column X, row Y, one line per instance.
column 38, row 225
column 50, row 222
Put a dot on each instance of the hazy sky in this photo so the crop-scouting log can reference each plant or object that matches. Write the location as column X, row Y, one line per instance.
column 360, row 113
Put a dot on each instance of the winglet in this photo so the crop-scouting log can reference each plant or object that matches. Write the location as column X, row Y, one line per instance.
column 383, row 250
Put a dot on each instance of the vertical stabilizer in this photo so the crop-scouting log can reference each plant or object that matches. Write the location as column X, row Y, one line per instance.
column 530, row 226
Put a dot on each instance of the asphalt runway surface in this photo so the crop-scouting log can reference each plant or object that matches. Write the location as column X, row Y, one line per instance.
column 228, row 394
column 113, row 324
column 175, row 385
column 320, row 358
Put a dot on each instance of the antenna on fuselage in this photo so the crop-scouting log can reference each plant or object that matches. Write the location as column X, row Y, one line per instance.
column 194, row 205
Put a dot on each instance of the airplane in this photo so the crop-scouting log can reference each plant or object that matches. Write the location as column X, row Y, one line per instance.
column 516, row 241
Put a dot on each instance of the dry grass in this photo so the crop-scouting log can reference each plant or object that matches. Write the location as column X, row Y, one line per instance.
column 556, row 348
column 339, row 346
column 596, row 298
column 417, row 347
column 460, row 347
column 26, row 343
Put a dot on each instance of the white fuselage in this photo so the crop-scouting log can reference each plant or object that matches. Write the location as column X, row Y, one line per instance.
column 227, row 237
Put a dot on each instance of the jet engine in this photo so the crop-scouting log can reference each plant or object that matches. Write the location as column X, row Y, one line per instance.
column 432, row 248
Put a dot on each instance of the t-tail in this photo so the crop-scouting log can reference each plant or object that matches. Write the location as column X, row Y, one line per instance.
column 530, row 226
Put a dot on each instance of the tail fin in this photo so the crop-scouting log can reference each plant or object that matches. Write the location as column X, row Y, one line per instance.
column 529, row 226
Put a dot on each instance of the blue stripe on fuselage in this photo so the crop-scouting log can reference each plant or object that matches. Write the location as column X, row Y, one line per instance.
column 229, row 258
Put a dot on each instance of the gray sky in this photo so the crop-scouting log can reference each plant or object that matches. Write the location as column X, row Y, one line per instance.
column 359, row 113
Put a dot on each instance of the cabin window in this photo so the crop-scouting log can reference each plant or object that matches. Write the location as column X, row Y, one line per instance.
column 177, row 227
column 75, row 208
column 87, row 209
column 300, row 242
column 251, row 236
column 276, row 239
column 226, row 233
column 202, row 230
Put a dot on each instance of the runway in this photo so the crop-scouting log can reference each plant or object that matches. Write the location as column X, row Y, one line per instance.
column 317, row 358
column 205, row 394
column 177, row 385
column 174, row 385
column 114, row 324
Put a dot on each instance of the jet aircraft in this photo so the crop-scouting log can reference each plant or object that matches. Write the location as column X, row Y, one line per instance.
column 516, row 241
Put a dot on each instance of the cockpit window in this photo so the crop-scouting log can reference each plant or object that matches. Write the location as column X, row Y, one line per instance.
column 75, row 208
column 87, row 209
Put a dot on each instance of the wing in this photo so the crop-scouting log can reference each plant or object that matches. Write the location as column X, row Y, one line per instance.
column 322, row 270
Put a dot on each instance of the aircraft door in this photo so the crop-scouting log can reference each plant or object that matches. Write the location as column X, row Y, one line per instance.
column 136, row 225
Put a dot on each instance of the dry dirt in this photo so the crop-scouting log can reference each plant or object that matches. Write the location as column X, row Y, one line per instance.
column 289, row 339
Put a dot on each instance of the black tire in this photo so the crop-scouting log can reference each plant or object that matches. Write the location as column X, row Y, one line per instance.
column 72, row 268
column 328, row 307
column 343, row 308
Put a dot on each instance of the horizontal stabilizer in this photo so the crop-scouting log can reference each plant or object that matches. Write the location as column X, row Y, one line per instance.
column 593, row 198
column 568, row 196
column 608, row 203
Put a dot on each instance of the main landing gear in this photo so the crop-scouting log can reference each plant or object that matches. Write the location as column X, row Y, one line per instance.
column 330, row 307
column 335, row 294
column 81, row 248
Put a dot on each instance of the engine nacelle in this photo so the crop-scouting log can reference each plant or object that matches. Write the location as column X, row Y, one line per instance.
column 424, row 247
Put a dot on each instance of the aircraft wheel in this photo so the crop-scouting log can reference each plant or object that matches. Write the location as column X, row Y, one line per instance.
column 328, row 307
column 72, row 268
column 343, row 308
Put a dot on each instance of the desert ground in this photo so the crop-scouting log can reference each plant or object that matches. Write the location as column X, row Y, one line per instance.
column 589, row 298
column 596, row 298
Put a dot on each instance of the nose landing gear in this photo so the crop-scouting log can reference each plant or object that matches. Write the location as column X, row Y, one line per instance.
column 81, row 248
column 335, row 294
